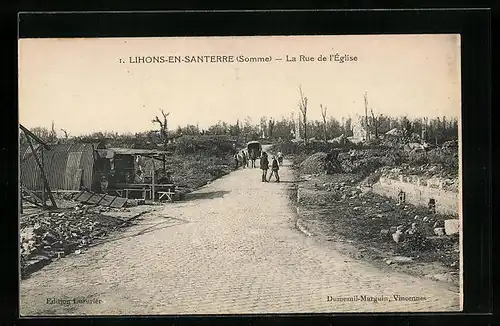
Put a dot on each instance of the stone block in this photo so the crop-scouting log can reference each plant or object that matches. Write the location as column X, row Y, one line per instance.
column 451, row 226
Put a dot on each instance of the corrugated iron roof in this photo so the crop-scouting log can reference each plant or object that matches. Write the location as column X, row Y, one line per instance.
column 61, row 163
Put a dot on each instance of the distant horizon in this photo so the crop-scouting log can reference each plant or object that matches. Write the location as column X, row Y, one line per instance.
column 59, row 132
column 81, row 86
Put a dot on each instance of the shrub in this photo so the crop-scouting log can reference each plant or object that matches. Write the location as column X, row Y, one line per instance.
column 289, row 147
column 417, row 158
column 218, row 145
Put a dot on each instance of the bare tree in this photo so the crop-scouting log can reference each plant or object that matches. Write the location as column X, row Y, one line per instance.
column 303, row 110
column 407, row 127
column 366, row 117
column 425, row 122
column 271, row 127
column 323, row 114
column 163, row 125
column 376, row 122
column 66, row 135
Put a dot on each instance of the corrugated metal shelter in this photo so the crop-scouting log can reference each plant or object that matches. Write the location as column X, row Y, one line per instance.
column 67, row 167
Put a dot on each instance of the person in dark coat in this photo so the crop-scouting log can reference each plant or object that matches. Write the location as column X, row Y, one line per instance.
column 236, row 163
column 274, row 169
column 264, row 166
column 244, row 159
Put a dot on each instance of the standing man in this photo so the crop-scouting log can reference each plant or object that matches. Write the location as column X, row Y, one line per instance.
column 245, row 161
column 253, row 157
column 236, row 160
column 264, row 166
column 280, row 158
column 104, row 184
column 274, row 170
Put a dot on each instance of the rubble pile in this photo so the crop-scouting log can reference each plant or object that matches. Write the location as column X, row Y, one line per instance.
column 354, row 212
column 50, row 235
column 314, row 164
column 320, row 163
column 367, row 161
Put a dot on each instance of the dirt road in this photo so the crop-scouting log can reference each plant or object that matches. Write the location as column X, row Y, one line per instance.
column 231, row 247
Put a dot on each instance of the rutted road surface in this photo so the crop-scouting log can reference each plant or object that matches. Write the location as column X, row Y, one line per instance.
column 231, row 247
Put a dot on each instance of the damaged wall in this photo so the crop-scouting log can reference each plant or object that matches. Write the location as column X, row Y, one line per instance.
column 447, row 202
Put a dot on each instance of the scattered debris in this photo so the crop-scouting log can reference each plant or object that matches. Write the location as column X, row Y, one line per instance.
column 384, row 233
column 439, row 231
column 54, row 234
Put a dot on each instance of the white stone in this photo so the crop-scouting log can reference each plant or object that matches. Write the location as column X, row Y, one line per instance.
column 439, row 231
column 402, row 259
column 397, row 236
column 451, row 226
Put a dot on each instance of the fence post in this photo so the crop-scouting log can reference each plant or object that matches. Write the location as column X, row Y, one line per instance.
column 153, row 180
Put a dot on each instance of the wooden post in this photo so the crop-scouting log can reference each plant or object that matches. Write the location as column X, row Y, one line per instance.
column 44, row 199
column 153, row 182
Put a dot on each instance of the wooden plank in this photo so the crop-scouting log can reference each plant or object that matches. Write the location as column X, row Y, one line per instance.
column 107, row 200
column 84, row 196
column 82, row 193
column 152, row 183
column 118, row 202
column 31, row 194
column 34, row 202
column 101, row 199
column 109, row 203
column 94, row 199
column 140, row 185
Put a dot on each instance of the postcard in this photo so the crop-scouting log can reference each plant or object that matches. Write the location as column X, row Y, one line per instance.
column 240, row 175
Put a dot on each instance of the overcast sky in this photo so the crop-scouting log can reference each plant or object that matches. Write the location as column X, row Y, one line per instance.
column 80, row 84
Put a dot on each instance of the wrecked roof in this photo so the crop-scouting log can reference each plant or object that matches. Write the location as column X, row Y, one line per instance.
column 133, row 151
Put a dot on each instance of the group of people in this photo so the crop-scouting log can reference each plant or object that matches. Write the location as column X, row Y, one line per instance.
column 242, row 159
column 264, row 166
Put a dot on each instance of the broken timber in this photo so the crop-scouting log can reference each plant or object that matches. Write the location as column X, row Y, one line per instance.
column 31, row 197
column 88, row 197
